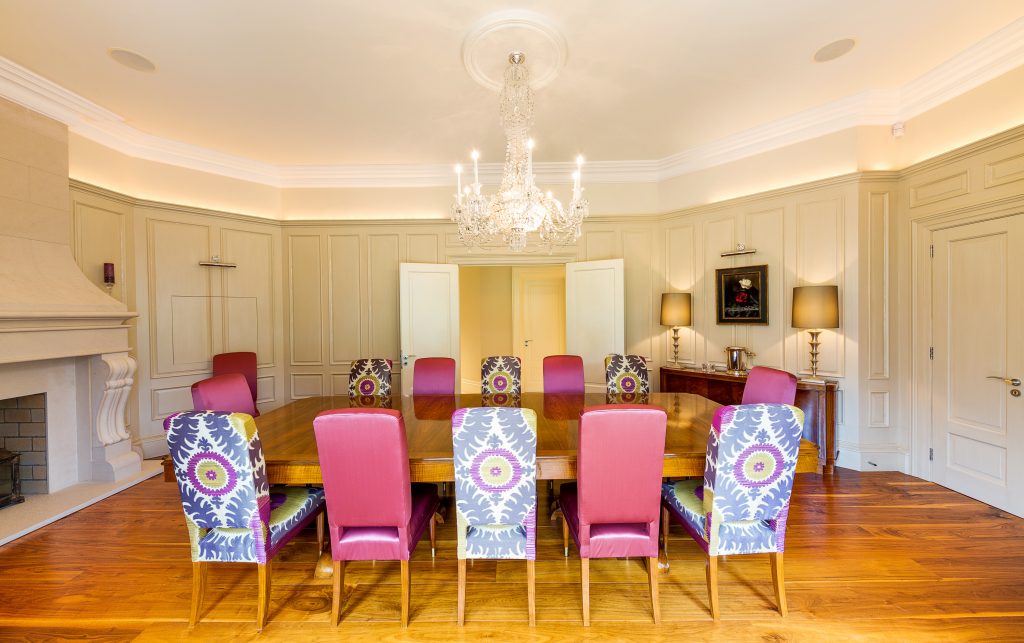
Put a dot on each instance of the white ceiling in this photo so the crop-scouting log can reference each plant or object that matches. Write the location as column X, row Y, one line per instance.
column 340, row 82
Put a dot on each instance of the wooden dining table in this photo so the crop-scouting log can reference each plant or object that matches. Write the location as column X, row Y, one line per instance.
column 289, row 445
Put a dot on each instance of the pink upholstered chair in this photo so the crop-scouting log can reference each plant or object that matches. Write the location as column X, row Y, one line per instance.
column 225, row 393
column 433, row 376
column 244, row 363
column 769, row 386
column 563, row 374
column 614, row 509
column 374, row 513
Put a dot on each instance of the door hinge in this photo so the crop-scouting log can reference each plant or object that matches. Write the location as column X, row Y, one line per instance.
column 931, row 454
column 931, row 352
column 931, row 251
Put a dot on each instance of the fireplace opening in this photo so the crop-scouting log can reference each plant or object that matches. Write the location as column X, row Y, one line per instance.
column 23, row 435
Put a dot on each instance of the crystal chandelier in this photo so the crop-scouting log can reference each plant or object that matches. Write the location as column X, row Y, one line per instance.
column 519, row 207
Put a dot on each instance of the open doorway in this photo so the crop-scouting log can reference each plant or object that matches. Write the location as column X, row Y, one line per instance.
column 510, row 310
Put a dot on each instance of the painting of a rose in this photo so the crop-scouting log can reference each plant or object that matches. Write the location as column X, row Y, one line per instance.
column 742, row 295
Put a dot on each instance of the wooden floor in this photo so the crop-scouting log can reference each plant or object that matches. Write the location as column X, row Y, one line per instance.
column 874, row 556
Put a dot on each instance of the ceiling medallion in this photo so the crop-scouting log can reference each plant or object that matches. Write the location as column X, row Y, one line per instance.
column 519, row 207
column 485, row 46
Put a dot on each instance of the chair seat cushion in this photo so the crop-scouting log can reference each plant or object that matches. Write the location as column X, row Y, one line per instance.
column 383, row 543
column 684, row 500
column 609, row 540
column 496, row 541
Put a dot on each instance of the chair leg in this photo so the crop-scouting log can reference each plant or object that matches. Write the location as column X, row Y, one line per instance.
column 652, row 578
column 585, row 573
column 712, row 570
column 462, row 591
column 664, row 531
column 263, row 605
column 531, row 590
column 433, row 535
column 339, row 588
column 779, row 579
column 320, row 532
column 406, row 587
column 565, row 537
column 198, row 589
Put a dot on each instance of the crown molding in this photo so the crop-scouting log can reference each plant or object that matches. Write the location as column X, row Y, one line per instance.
column 984, row 61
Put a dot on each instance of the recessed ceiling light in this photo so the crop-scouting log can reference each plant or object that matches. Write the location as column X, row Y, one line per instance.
column 132, row 60
column 834, row 50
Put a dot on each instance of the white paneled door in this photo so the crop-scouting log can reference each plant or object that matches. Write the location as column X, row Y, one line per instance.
column 538, row 322
column 594, row 315
column 429, row 315
column 977, row 406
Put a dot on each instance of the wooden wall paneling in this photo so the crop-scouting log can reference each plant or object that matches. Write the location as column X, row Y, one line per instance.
column 820, row 260
column 305, row 305
column 680, row 276
column 249, row 304
column 719, row 235
column 639, row 261
column 764, row 230
column 181, row 315
column 344, row 280
column 382, row 272
column 879, row 225
column 600, row 244
column 422, row 248
column 101, row 234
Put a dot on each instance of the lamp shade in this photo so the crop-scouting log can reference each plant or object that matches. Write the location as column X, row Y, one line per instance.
column 675, row 309
column 816, row 307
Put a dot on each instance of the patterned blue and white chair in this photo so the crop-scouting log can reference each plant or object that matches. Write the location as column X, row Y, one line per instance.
column 495, row 453
column 232, row 514
column 742, row 504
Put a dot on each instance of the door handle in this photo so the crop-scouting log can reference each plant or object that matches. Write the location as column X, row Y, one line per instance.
column 405, row 359
column 526, row 343
column 1012, row 381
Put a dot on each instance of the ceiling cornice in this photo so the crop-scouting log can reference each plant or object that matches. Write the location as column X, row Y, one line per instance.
column 976, row 65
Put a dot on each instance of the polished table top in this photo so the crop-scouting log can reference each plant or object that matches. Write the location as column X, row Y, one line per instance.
column 290, row 450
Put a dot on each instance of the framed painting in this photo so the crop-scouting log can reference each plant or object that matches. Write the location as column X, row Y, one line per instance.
column 741, row 295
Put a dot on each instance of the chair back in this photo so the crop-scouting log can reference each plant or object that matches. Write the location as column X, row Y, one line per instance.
column 244, row 363
column 365, row 466
column 225, row 393
column 619, row 462
column 370, row 377
column 501, row 375
column 433, row 376
column 751, row 460
column 626, row 374
column 769, row 386
column 495, row 452
column 219, row 467
column 563, row 375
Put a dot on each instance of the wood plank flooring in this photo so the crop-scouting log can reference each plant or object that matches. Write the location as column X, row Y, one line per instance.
column 869, row 556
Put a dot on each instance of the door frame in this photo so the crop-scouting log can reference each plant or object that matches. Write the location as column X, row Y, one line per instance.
column 921, row 330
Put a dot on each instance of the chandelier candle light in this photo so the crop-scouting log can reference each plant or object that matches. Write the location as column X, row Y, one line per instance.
column 519, row 207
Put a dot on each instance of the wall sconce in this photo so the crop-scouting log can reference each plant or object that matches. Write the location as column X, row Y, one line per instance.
column 108, row 277
column 814, row 308
column 676, row 311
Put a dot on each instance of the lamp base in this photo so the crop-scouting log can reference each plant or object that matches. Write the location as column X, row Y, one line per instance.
column 675, row 345
column 814, row 353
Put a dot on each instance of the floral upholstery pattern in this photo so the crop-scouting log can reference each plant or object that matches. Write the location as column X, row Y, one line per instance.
column 495, row 453
column 626, row 375
column 501, row 399
column 743, row 504
column 501, row 375
column 232, row 514
column 370, row 377
column 370, row 402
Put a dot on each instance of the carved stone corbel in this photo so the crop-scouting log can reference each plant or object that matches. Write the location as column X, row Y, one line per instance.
column 112, row 375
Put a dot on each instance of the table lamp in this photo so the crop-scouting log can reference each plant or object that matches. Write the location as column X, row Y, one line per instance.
column 815, row 308
column 675, row 312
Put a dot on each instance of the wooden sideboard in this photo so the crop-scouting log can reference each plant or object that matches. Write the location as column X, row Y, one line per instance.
column 816, row 399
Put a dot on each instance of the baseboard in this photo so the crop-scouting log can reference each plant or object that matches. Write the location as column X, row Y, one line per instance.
column 152, row 446
column 881, row 457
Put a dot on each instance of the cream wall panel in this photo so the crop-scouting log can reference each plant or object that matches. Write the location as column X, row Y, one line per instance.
column 764, row 231
column 181, row 318
column 307, row 385
column 305, row 301
column 600, row 244
column 344, row 279
column 878, row 291
column 681, row 276
column 250, row 303
column 101, row 236
column 719, row 236
column 1005, row 170
column 421, row 248
column 382, row 262
column 820, row 260
column 339, row 383
column 171, row 400
column 945, row 187
column 266, row 389
column 878, row 409
column 639, row 265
